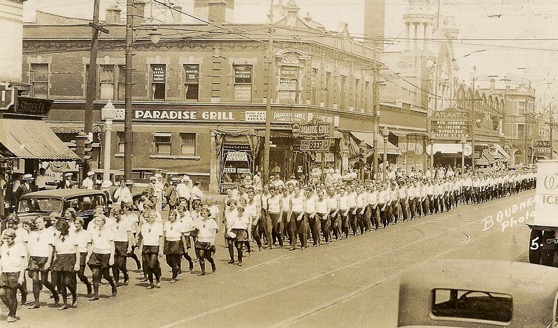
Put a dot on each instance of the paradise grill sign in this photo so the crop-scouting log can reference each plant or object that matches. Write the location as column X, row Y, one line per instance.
column 312, row 129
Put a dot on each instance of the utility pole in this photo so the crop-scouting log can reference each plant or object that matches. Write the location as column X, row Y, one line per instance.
column 375, row 108
column 551, row 133
column 92, row 77
column 128, row 110
column 473, row 123
column 267, row 138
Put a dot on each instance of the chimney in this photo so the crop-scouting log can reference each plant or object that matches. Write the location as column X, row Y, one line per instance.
column 138, row 12
column 217, row 11
column 177, row 15
column 492, row 83
column 113, row 15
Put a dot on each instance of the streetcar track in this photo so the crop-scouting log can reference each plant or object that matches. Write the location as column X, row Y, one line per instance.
column 285, row 288
column 343, row 298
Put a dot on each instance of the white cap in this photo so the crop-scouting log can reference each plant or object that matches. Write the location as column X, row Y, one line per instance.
column 90, row 173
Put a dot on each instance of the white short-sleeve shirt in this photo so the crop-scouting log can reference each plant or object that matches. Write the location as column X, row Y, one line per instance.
column 151, row 233
column 39, row 242
column 102, row 240
column 12, row 257
column 83, row 238
column 66, row 244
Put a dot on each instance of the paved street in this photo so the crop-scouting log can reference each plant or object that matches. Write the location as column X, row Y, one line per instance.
column 353, row 283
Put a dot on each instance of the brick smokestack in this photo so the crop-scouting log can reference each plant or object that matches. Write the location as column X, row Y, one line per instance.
column 217, row 11
column 113, row 15
column 374, row 20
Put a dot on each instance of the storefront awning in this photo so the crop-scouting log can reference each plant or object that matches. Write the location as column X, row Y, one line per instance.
column 33, row 139
column 368, row 138
column 501, row 152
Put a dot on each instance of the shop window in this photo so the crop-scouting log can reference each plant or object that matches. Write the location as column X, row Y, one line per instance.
column 162, row 141
column 191, row 81
column 242, row 82
column 121, row 139
column 158, row 79
column 39, row 80
column 288, row 84
column 188, row 144
column 106, row 80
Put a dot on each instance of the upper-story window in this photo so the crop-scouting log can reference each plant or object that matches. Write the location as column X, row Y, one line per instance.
column 191, row 81
column 521, row 106
column 106, row 79
column 343, row 90
column 243, row 82
column 188, row 144
column 120, row 140
column 162, row 142
column 158, row 81
column 39, row 80
column 288, row 84
column 328, row 89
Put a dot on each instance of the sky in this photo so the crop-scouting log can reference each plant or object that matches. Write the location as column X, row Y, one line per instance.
column 512, row 41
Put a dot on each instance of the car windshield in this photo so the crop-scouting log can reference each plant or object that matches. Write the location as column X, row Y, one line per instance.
column 44, row 205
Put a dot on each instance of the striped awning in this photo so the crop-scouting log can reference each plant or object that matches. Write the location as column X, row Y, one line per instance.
column 368, row 138
column 33, row 139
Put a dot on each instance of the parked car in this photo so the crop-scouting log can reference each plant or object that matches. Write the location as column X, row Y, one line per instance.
column 114, row 176
column 478, row 293
column 45, row 202
column 141, row 175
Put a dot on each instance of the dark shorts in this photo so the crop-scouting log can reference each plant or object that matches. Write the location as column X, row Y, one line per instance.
column 9, row 279
column 241, row 235
column 64, row 262
column 120, row 248
column 99, row 260
column 150, row 250
column 37, row 263
column 205, row 246
column 173, row 247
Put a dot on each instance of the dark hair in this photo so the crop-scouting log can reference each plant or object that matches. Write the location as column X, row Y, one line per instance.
column 63, row 227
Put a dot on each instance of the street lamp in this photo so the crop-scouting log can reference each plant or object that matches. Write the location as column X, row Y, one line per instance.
column 463, row 141
column 385, row 134
column 108, row 113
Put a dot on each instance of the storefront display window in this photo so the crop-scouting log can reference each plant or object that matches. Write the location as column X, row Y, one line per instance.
column 236, row 162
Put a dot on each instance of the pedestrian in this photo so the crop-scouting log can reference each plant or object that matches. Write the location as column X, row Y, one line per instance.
column 230, row 215
column 205, row 244
column 40, row 246
column 123, row 240
column 133, row 221
column 83, row 238
column 238, row 229
column 12, row 271
column 151, row 248
column 66, row 262
column 22, row 237
column 297, row 220
column 100, row 256
column 174, row 241
column 185, row 219
column 25, row 187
